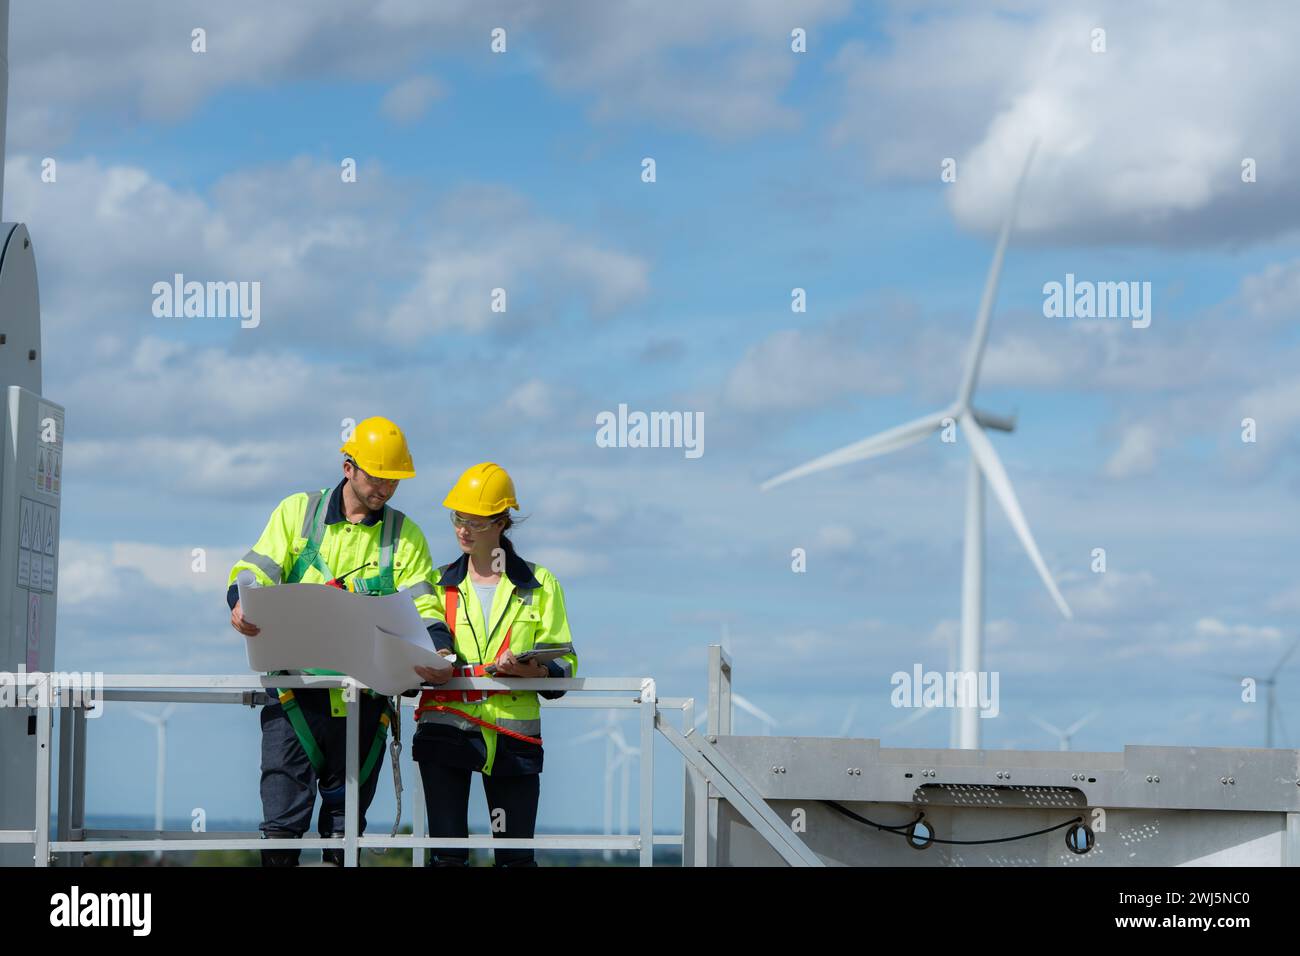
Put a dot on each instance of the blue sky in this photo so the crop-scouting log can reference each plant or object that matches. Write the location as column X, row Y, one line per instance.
column 775, row 170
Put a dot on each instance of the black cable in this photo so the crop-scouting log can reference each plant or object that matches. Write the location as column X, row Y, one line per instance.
column 903, row 830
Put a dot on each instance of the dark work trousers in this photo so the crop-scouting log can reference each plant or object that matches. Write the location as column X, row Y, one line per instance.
column 289, row 783
column 446, row 801
column 448, row 757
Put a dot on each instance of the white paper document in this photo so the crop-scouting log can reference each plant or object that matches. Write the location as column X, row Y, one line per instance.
column 377, row 640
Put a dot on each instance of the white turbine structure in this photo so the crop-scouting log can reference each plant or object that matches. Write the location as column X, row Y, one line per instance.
column 985, row 465
column 850, row 716
column 766, row 719
column 918, row 714
column 614, row 739
column 160, row 781
column 1063, row 736
column 1273, row 712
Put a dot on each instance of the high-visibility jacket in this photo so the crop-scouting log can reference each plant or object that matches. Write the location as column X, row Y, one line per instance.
column 281, row 554
column 528, row 608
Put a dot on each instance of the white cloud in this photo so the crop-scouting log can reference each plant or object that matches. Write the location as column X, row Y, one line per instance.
column 1287, row 600
column 531, row 399
column 410, row 99
column 317, row 246
column 1275, row 408
column 1020, row 361
column 1210, row 635
column 641, row 60
column 567, row 563
column 1115, row 594
column 1273, row 293
column 1142, row 142
column 91, row 572
column 1237, row 636
column 796, row 369
column 489, row 239
column 1136, row 454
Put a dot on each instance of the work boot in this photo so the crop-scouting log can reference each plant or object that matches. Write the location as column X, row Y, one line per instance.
column 330, row 856
column 285, row 857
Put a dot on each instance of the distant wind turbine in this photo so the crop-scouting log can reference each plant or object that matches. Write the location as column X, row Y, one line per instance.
column 766, row 719
column 1063, row 736
column 160, row 781
column 622, row 762
column 849, row 716
column 1273, row 712
column 985, row 465
column 920, row 713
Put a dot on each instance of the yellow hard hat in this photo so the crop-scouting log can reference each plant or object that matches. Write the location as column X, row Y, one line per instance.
column 379, row 448
column 484, row 489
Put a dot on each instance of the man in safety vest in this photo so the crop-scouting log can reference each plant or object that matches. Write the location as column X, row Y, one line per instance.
column 348, row 538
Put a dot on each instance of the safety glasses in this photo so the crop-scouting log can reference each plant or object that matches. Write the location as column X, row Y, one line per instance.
column 472, row 523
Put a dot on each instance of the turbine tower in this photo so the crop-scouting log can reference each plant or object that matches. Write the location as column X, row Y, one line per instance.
column 1272, row 713
column 160, row 781
column 985, row 466
column 622, row 763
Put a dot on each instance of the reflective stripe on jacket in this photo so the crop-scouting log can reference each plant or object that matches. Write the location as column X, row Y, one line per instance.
column 528, row 604
column 343, row 548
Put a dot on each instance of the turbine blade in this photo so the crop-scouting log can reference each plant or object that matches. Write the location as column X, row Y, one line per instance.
column 1074, row 727
column 910, row 719
column 976, row 352
column 750, row 709
column 886, row 441
column 1054, row 731
column 590, row 735
column 1285, row 658
column 992, row 468
column 849, row 717
column 1277, row 716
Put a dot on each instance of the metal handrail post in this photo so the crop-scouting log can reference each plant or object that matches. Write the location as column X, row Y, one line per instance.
column 719, row 723
column 698, row 804
column 719, row 691
column 649, row 710
column 78, row 815
column 350, row 790
column 419, row 822
column 44, row 726
column 63, row 827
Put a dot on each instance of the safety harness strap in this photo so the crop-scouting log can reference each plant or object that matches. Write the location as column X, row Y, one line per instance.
column 451, row 602
column 313, row 526
column 298, row 720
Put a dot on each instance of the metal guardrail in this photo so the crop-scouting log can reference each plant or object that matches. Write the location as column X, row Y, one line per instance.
column 709, row 775
column 72, row 837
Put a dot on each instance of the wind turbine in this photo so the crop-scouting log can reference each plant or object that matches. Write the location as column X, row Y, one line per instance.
column 1062, row 735
column 160, row 722
column 766, row 719
column 850, row 715
column 985, row 465
column 614, row 739
column 1273, row 713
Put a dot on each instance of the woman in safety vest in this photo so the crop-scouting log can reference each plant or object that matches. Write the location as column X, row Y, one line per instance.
column 506, row 617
